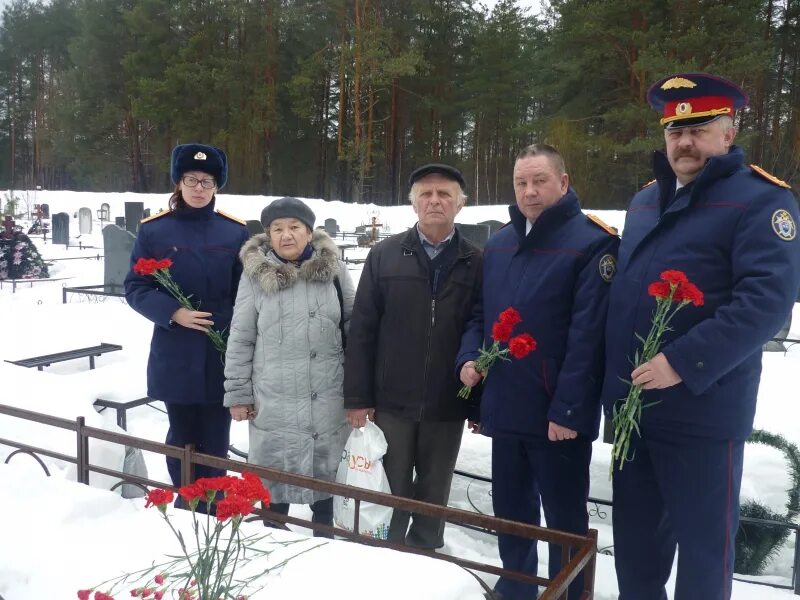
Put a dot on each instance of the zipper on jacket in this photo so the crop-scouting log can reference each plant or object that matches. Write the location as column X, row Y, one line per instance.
column 433, row 297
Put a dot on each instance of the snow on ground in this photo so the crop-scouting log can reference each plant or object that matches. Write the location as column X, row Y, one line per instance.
column 103, row 527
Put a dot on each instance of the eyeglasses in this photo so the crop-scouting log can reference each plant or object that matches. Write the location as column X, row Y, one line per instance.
column 190, row 181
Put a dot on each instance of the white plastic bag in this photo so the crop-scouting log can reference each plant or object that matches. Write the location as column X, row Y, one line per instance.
column 362, row 466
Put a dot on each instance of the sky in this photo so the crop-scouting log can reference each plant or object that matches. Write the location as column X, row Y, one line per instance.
column 110, row 533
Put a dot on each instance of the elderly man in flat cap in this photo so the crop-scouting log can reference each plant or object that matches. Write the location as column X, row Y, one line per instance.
column 731, row 229
column 413, row 300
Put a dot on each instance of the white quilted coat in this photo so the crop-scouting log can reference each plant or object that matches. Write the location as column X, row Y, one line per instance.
column 285, row 356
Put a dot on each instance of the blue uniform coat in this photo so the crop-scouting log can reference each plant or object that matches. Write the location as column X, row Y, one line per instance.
column 557, row 277
column 725, row 232
column 184, row 367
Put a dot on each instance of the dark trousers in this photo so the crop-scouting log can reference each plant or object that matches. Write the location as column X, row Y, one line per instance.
column 321, row 512
column 678, row 490
column 527, row 474
column 430, row 448
column 207, row 426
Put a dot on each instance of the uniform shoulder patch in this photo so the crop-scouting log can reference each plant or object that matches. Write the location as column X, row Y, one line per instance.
column 770, row 177
column 783, row 225
column 649, row 183
column 155, row 216
column 601, row 224
column 607, row 267
column 231, row 217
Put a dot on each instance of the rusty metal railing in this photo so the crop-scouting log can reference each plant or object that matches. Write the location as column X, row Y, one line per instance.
column 578, row 552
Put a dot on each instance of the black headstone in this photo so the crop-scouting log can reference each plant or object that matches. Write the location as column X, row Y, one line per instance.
column 254, row 227
column 61, row 228
column 477, row 234
column 134, row 212
column 493, row 225
column 331, row 227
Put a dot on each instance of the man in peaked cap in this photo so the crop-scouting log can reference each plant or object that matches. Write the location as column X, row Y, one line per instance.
column 731, row 228
column 413, row 300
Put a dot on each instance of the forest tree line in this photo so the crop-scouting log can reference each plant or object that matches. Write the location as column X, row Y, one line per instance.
column 341, row 99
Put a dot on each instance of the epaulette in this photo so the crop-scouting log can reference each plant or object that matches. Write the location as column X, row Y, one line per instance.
column 648, row 184
column 155, row 216
column 602, row 224
column 769, row 177
column 231, row 217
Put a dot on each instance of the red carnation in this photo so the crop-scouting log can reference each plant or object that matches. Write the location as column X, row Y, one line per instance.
column 101, row 596
column 510, row 316
column 674, row 277
column 232, row 507
column 689, row 292
column 159, row 498
column 659, row 289
column 501, row 331
column 521, row 345
column 84, row 594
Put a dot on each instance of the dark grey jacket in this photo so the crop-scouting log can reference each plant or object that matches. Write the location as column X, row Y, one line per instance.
column 404, row 336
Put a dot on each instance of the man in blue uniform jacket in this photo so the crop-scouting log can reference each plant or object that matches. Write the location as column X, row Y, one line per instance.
column 732, row 229
column 553, row 264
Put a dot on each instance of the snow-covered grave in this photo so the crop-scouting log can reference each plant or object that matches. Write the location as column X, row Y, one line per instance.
column 58, row 536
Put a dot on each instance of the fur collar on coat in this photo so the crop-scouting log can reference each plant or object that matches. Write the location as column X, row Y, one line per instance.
column 274, row 275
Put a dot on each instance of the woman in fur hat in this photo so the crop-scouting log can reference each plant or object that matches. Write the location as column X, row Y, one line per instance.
column 284, row 363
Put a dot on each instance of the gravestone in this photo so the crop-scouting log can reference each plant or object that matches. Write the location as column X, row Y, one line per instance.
column 104, row 214
column 493, row 225
column 477, row 234
column 118, row 245
column 85, row 220
column 254, row 227
column 119, row 222
column 331, row 227
column 61, row 228
column 134, row 212
column 45, row 211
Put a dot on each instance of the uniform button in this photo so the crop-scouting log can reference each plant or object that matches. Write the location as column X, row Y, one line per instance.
column 700, row 365
column 569, row 412
column 313, row 354
column 313, row 395
column 315, row 436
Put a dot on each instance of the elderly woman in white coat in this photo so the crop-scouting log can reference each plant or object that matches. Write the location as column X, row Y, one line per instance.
column 284, row 362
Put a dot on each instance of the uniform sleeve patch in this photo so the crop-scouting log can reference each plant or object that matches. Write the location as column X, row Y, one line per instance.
column 769, row 177
column 231, row 217
column 607, row 267
column 155, row 216
column 783, row 225
column 602, row 224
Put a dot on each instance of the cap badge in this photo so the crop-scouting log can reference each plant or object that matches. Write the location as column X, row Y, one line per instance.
column 783, row 225
column 200, row 156
column 683, row 108
column 677, row 82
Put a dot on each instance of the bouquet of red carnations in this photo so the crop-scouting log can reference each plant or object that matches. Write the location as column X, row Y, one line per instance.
column 159, row 270
column 518, row 346
column 672, row 292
